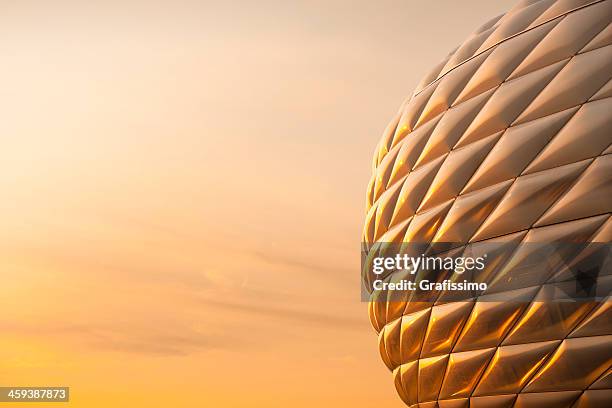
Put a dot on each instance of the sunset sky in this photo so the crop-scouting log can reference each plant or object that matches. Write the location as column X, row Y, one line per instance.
column 183, row 188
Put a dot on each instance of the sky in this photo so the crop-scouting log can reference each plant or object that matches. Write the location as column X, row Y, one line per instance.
column 183, row 191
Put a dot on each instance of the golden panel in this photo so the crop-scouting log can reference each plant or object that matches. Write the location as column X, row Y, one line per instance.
column 413, row 330
column 490, row 320
column 568, row 37
column 576, row 364
column 598, row 323
column 547, row 321
column 452, row 125
column 594, row 398
column 503, row 61
column 430, row 375
column 604, row 382
column 589, row 196
column 468, row 213
column 507, row 102
column 584, row 136
column 413, row 189
column 463, row 372
column 410, row 149
column 528, row 198
column 444, row 325
column 391, row 338
column 493, row 401
column 562, row 399
column 456, row 171
column 583, row 75
column 518, row 147
column 454, row 403
column 449, row 87
column 513, row 366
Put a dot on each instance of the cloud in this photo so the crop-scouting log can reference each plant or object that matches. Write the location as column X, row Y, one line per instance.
column 180, row 343
column 295, row 262
column 129, row 339
column 305, row 316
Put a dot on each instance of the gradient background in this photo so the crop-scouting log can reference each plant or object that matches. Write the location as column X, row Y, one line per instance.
column 183, row 192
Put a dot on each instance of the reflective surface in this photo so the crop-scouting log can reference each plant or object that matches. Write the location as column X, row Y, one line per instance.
column 509, row 138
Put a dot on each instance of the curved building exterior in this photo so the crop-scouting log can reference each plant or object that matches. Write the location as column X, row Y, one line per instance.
column 507, row 140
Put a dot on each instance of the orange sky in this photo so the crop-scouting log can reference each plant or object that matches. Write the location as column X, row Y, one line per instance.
column 183, row 191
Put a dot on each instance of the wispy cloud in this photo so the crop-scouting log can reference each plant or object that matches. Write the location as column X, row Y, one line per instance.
column 301, row 316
